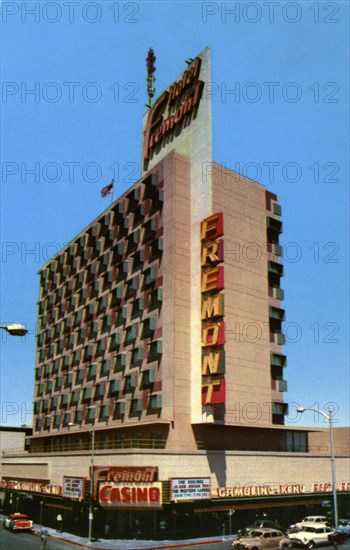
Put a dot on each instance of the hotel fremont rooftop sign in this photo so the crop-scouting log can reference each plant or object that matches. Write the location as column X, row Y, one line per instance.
column 179, row 114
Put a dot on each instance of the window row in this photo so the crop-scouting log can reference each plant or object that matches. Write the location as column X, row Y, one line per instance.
column 135, row 358
column 121, row 408
column 64, row 323
column 114, row 225
column 64, row 299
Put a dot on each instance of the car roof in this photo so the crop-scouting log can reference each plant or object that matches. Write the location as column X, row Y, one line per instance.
column 266, row 529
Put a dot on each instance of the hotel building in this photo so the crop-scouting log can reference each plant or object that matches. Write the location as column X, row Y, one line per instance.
column 160, row 351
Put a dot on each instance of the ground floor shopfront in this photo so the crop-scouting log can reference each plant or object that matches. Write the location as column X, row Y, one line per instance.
column 140, row 494
column 174, row 520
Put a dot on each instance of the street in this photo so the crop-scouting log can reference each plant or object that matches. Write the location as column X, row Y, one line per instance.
column 29, row 541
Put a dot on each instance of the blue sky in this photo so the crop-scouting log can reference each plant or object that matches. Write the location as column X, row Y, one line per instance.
column 73, row 95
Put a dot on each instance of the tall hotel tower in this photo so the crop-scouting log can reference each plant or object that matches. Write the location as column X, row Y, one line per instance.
column 161, row 321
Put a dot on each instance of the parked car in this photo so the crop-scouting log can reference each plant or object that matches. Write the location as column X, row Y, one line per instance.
column 259, row 523
column 313, row 519
column 311, row 536
column 261, row 539
column 337, row 537
column 18, row 522
column 344, row 526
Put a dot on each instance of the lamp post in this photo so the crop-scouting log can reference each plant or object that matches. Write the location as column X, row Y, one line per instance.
column 15, row 329
column 329, row 418
column 91, row 514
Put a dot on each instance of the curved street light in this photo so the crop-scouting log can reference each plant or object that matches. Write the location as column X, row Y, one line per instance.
column 329, row 418
column 15, row 329
column 92, row 433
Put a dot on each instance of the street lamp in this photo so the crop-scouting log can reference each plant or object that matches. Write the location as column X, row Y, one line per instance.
column 15, row 329
column 329, row 418
column 91, row 514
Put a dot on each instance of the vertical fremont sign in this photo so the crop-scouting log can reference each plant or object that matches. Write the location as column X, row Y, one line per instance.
column 212, row 312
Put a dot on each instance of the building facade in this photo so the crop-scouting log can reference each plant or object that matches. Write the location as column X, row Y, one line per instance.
column 159, row 350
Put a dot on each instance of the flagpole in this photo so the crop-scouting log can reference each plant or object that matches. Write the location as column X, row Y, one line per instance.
column 112, row 197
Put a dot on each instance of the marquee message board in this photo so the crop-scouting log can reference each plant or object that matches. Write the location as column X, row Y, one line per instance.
column 195, row 488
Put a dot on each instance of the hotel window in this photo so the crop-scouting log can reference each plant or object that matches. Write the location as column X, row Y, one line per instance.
column 150, row 229
column 68, row 380
column 155, row 402
column 100, row 391
column 296, row 442
column 134, row 198
column 66, row 418
column 36, row 407
column 114, row 341
column 54, row 403
column 78, row 417
column 156, row 249
column 56, row 366
column 91, row 414
column 107, row 281
column 120, row 362
column 45, row 405
column 88, row 352
column 137, row 308
column 76, row 357
column 102, row 305
column 114, row 386
column 87, row 394
column 132, row 287
column 106, row 367
column 57, row 421
column 92, row 371
column 101, row 347
column 104, row 412
column 155, row 350
column 118, row 253
column 139, row 215
column 148, row 327
column 75, row 397
column 48, row 422
column 38, row 372
column 64, row 400
column 148, row 378
column 38, row 424
column 130, row 383
column 117, row 296
column 40, row 390
column 131, row 334
column 122, row 316
column 132, row 241
column 149, row 277
column 66, row 361
column 138, row 260
column 119, row 409
column 58, row 383
column 49, row 386
column 136, row 407
column 136, row 357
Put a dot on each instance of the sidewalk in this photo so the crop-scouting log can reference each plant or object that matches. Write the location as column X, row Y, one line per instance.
column 221, row 542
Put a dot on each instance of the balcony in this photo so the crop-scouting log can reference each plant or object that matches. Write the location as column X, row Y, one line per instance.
column 278, row 360
column 56, row 445
column 277, row 313
column 274, row 229
column 282, row 385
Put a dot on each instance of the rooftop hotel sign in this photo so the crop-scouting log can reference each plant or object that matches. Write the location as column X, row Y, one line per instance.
column 173, row 110
column 179, row 116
